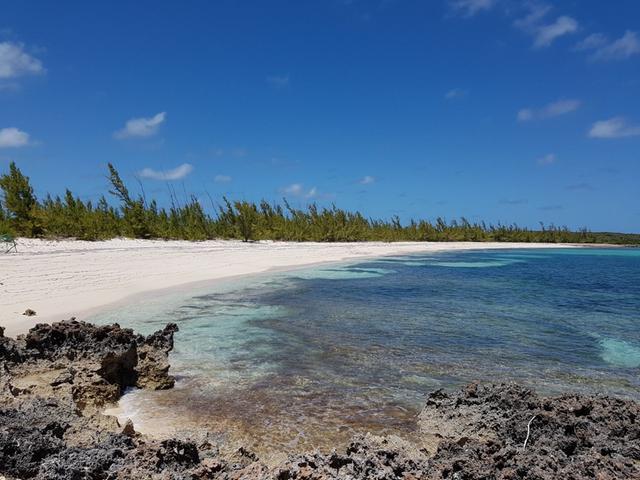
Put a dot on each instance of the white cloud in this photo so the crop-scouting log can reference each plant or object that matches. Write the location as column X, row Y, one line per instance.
column 546, row 34
column 616, row 127
column 294, row 189
column 12, row 137
column 548, row 159
column 173, row 174
column 469, row 8
column 530, row 22
column 278, row 81
column 367, row 180
column 455, row 93
column 297, row 190
column 619, row 49
column 554, row 109
column 525, row 115
column 222, row 179
column 593, row 41
column 141, row 127
column 15, row 62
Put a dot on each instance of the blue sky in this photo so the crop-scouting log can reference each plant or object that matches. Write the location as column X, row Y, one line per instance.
column 502, row 110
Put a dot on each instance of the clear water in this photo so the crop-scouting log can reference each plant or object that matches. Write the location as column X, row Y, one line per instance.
column 309, row 358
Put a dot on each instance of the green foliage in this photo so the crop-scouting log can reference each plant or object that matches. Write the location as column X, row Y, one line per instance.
column 246, row 219
column 19, row 202
column 21, row 213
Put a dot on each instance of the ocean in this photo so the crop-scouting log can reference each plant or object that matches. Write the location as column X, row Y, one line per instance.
column 308, row 358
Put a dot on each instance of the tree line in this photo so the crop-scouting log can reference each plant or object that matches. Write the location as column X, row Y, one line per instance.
column 68, row 216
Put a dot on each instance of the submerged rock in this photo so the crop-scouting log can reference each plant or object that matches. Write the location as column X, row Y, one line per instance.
column 54, row 380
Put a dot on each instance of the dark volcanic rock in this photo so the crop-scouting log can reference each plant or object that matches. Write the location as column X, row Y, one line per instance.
column 9, row 349
column 117, row 355
column 30, row 434
column 367, row 457
column 54, row 381
column 153, row 359
column 571, row 436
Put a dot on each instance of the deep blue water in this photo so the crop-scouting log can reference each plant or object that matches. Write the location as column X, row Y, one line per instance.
column 311, row 357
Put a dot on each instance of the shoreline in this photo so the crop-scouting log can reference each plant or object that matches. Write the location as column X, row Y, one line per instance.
column 58, row 378
column 135, row 262
column 49, row 276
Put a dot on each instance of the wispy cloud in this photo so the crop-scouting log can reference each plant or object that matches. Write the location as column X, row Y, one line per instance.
column 582, row 186
column 367, row 180
column 548, row 159
column 222, row 179
column 16, row 62
column 604, row 50
column 278, row 81
column 545, row 33
column 535, row 13
column 298, row 190
column 592, row 42
column 616, row 127
column 177, row 173
column 456, row 94
column 514, row 201
column 141, row 127
column 554, row 109
column 551, row 208
column 13, row 138
column 469, row 8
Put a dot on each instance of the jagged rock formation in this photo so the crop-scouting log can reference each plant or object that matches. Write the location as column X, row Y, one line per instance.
column 484, row 429
column 55, row 380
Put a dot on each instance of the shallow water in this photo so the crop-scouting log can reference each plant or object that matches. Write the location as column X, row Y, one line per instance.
column 311, row 357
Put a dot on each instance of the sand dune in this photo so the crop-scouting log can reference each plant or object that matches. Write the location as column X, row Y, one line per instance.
column 59, row 279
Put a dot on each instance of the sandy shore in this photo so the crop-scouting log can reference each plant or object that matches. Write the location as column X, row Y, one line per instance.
column 60, row 279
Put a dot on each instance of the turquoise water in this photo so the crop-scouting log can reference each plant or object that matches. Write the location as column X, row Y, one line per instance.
column 311, row 357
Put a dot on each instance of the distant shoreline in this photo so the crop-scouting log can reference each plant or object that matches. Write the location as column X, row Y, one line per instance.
column 60, row 279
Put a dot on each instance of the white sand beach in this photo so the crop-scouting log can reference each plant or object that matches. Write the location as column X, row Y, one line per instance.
column 60, row 279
